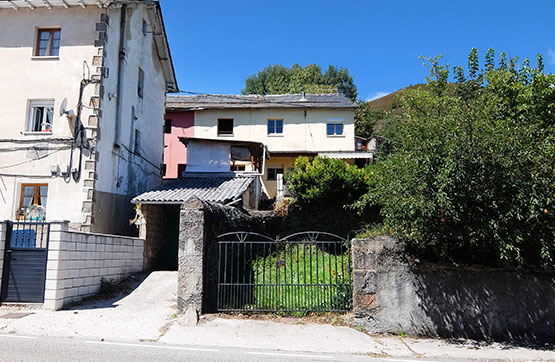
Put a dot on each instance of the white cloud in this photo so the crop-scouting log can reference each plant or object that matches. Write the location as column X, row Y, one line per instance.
column 551, row 56
column 382, row 94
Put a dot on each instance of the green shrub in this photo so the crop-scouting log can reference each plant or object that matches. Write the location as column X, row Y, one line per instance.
column 326, row 181
column 473, row 181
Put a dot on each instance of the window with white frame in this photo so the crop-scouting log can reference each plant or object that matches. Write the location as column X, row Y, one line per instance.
column 41, row 115
column 334, row 128
column 275, row 126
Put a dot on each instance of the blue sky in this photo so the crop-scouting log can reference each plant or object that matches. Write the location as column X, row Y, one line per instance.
column 216, row 45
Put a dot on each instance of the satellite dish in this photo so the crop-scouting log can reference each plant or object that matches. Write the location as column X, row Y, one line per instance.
column 63, row 107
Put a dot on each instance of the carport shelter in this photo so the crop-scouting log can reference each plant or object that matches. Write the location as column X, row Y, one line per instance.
column 158, row 210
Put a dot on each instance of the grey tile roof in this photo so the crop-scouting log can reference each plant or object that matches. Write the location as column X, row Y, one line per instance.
column 220, row 188
column 233, row 101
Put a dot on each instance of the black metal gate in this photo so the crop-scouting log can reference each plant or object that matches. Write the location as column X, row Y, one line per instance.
column 24, row 271
column 303, row 272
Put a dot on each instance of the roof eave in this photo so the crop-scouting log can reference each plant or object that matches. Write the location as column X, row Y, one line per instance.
column 162, row 46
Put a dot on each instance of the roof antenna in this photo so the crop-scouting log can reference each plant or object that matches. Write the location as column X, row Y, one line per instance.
column 303, row 97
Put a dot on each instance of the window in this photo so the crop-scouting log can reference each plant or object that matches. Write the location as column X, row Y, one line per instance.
column 48, row 43
column 225, row 126
column 141, row 83
column 180, row 169
column 335, row 129
column 237, row 168
column 32, row 202
column 275, row 126
column 137, row 147
column 145, row 27
column 273, row 172
column 41, row 115
column 168, row 126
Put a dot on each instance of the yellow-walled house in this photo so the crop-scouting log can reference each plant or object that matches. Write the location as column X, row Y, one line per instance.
column 290, row 125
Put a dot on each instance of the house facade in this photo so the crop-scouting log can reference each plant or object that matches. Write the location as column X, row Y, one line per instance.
column 289, row 125
column 81, row 109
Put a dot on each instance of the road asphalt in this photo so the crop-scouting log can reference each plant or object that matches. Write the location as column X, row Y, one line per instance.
column 143, row 324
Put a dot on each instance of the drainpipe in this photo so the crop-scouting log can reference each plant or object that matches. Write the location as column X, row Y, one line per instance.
column 119, row 99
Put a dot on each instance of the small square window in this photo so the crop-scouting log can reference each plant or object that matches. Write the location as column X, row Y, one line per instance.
column 275, row 126
column 334, row 129
column 48, row 43
column 273, row 172
column 41, row 116
column 225, row 126
column 141, row 83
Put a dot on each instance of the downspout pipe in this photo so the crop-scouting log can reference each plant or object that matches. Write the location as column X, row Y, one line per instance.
column 121, row 61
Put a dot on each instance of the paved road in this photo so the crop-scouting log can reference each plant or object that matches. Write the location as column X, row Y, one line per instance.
column 16, row 348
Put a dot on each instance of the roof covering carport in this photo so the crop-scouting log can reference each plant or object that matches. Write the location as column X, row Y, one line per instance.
column 221, row 188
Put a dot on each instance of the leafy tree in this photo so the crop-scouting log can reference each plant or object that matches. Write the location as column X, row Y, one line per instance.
column 472, row 181
column 277, row 79
column 326, row 182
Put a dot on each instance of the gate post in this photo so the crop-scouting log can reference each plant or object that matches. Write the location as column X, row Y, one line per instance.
column 3, row 231
column 191, row 263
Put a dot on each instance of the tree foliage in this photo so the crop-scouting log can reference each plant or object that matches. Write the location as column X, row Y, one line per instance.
column 472, row 181
column 326, row 182
column 277, row 79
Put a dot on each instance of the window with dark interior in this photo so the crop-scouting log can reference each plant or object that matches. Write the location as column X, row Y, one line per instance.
column 225, row 126
column 48, row 43
column 168, row 126
column 273, row 172
column 180, row 169
column 141, row 83
column 334, row 129
column 275, row 126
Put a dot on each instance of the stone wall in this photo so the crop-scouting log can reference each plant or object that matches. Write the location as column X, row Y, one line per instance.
column 200, row 224
column 78, row 261
column 392, row 294
column 152, row 229
column 3, row 231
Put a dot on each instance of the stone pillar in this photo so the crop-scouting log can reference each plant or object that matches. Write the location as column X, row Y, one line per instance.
column 3, row 231
column 55, row 266
column 191, row 253
column 365, row 276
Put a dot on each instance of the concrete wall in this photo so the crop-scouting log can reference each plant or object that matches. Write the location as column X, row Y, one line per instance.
column 78, row 261
column 392, row 295
column 123, row 170
column 200, row 224
column 25, row 78
column 112, row 170
column 303, row 130
column 175, row 152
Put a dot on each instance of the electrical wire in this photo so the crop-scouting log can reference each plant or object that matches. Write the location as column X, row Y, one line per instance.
column 32, row 160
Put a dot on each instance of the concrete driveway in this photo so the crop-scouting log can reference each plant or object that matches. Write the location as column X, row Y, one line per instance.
column 140, row 315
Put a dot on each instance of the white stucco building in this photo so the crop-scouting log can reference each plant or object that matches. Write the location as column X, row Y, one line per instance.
column 290, row 125
column 107, row 64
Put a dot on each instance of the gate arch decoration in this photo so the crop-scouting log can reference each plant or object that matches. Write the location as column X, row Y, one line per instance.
column 304, row 272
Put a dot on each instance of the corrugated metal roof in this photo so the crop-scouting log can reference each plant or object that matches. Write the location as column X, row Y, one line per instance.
column 234, row 101
column 220, row 188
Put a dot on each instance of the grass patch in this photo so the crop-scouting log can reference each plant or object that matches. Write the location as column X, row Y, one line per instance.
column 302, row 278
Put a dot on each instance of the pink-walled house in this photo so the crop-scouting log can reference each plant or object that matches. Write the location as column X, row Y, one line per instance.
column 177, row 124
